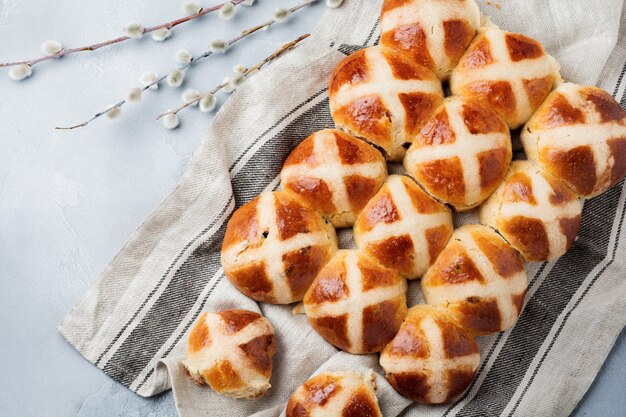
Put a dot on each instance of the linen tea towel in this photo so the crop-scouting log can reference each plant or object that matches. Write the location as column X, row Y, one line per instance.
column 133, row 322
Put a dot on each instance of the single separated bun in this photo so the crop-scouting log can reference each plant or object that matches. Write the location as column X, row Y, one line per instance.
column 231, row 351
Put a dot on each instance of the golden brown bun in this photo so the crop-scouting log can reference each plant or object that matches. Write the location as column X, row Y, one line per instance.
column 579, row 135
column 274, row 247
column 462, row 153
column 231, row 351
column 355, row 303
column 335, row 394
column 383, row 97
column 433, row 33
column 534, row 211
column 432, row 359
column 334, row 173
column 508, row 71
column 479, row 278
column 403, row 227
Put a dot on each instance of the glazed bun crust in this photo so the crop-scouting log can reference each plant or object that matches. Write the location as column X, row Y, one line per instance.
column 355, row 303
column 403, row 227
column 334, row 173
column 534, row 211
column 579, row 135
column 432, row 360
column 231, row 351
column 274, row 247
column 479, row 278
column 383, row 97
column 334, row 394
column 462, row 153
column 433, row 33
column 508, row 71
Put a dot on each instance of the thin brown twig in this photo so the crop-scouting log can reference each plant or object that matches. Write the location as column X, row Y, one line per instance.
column 244, row 34
column 93, row 47
column 246, row 73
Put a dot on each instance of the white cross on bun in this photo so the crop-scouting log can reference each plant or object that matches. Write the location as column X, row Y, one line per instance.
column 231, row 351
column 355, row 303
column 383, row 97
column 334, row 173
column 462, row 153
column 335, row 394
column 534, row 211
column 432, row 359
column 433, row 33
column 508, row 71
column 479, row 278
column 274, row 247
column 579, row 135
column 403, row 227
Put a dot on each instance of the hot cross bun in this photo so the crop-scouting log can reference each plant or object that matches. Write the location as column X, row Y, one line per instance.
column 403, row 227
column 579, row 135
column 231, row 351
column 462, row 153
column 334, row 173
column 334, row 394
column 434, row 33
column 432, row 359
column 509, row 71
column 383, row 97
column 355, row 303
column 479, row 278
column 534, row 211
column 274, row 247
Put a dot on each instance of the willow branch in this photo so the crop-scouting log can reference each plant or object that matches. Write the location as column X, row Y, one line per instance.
column 167, row 25
column 246, row 73
column 244, row 34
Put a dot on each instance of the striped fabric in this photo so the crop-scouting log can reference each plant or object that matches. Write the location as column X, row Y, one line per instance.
column 133, row 323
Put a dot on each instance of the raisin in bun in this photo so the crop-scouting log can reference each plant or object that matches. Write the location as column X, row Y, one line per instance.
column 231, row 351
column 432, row 359
column 334, row 173
column 508, row 71
column 434, row 33
column 274, row 247
column 403, row 227
column 383, row 97
column 479, row 278
column 579, row 135
column 355, row 303
column 534, row 211
column 462, row 153
column 333, row 394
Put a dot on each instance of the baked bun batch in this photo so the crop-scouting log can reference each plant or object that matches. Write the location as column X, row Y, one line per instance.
column 388, row 104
